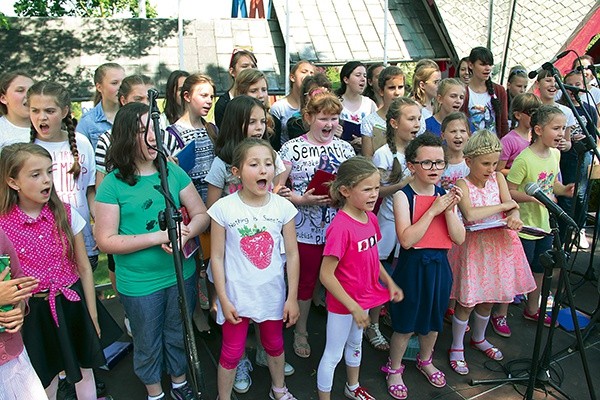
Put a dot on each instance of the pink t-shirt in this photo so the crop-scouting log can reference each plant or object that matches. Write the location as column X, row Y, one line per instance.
column 354, row 244
column 41, row 253
column 512, row 145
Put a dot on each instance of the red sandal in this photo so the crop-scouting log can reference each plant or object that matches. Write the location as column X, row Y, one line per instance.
column 493, row 352
column 398, row 391
column 437, row 379
column 459, row 366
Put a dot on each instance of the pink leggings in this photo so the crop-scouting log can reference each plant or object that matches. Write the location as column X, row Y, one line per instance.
column 234, row 340
column 311, row 256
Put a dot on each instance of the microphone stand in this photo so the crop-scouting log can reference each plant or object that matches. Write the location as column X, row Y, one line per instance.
column 589, row 144
column 168, row 219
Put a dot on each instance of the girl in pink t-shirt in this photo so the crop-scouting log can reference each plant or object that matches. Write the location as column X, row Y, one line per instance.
column 521, row 108
column 351, row 272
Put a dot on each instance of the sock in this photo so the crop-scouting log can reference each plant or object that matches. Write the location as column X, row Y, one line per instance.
column 178, row 385
column 478, row 331
column 458, row 336
column 353, row 387
column 160, row 396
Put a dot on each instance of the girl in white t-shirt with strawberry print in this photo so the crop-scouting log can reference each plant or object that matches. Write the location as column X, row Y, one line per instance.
column 255, row 228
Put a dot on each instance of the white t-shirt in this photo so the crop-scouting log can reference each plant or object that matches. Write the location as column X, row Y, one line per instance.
column 371, row 121
column 74, row 192
column 452, row 173
column 254, row 249
column 220, row 175
column 481, row 113
column 282, row 110
column 10, row 133
column 367, row 107
column 571, row 121
column 425, row 113
column 304, row 158
column 384, row 159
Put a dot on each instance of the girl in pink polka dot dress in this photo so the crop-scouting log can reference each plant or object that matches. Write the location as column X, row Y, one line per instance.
column 61, row 331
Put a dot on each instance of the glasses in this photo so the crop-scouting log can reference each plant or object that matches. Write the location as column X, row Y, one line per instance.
column 428, row 164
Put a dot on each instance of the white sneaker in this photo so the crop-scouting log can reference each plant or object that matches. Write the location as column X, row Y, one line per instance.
column 583, row 242
column 242, row 381
column 261, row 360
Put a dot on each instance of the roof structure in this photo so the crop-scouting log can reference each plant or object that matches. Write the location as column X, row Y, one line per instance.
column 540, row 27
column 336, row 31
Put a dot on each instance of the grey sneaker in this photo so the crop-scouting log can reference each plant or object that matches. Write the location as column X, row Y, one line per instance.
column 261, row 360
column 243, row 381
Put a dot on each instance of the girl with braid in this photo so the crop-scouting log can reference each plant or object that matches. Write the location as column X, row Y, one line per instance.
column 402, row 124
column 72, row 154
column 486, row 103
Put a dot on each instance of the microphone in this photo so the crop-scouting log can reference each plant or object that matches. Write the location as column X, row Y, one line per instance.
column 547, row 65
column 573, row 89
column 532, row 189
column 152, row 93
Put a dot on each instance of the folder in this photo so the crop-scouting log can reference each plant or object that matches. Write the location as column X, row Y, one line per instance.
column 436, row 236
column 320, row 182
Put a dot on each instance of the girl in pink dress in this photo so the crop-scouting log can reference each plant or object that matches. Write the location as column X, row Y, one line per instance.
column 490, row 266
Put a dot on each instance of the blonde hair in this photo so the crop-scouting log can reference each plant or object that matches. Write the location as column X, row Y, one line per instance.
column 422, row 74
column 443, row 88
column 481, row 143
column 350, row 173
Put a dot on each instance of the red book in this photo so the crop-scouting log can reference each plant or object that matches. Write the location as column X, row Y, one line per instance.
column 320, row 182
column 436, row 236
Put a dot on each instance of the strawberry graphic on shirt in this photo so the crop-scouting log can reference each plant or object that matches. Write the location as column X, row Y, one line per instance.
column 257, row 246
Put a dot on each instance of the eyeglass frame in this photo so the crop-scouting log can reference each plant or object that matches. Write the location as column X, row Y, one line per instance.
column 435, row 163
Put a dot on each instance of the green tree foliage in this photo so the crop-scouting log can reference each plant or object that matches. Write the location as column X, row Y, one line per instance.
column 80, row 8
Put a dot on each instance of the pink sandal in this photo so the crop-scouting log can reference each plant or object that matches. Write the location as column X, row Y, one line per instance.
column 437, row 379
column 493, row 353
column 398, row 391
column 459, row 366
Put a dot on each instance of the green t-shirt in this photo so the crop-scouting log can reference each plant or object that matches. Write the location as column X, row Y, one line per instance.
column 145, row 271
column 529, row 167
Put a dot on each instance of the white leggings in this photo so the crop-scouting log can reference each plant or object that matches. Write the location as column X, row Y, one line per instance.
column 343, row 337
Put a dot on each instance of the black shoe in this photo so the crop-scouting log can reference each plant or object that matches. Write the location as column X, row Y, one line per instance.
column 100, row 387
column 66, row 389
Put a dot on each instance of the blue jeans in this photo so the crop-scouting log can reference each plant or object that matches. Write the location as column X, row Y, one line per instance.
column 157, row 330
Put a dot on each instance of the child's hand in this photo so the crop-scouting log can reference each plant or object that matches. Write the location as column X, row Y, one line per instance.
column 457, row 192
column 15, row 290
column 396, row 294
column 564, row 145
column 97, row 326
column 12, row 320
column 291, row 312
column 338, row 131
column 185, row 231
column 309, row 199
column 230, row 313
column 569, row 190
column 361, row 317
column 442, row 203
column 514, row 223
column 173, row 159
column 509, row 205
column 283, row 191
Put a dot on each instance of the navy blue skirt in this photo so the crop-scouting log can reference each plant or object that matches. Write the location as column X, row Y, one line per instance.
column 425, row 277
